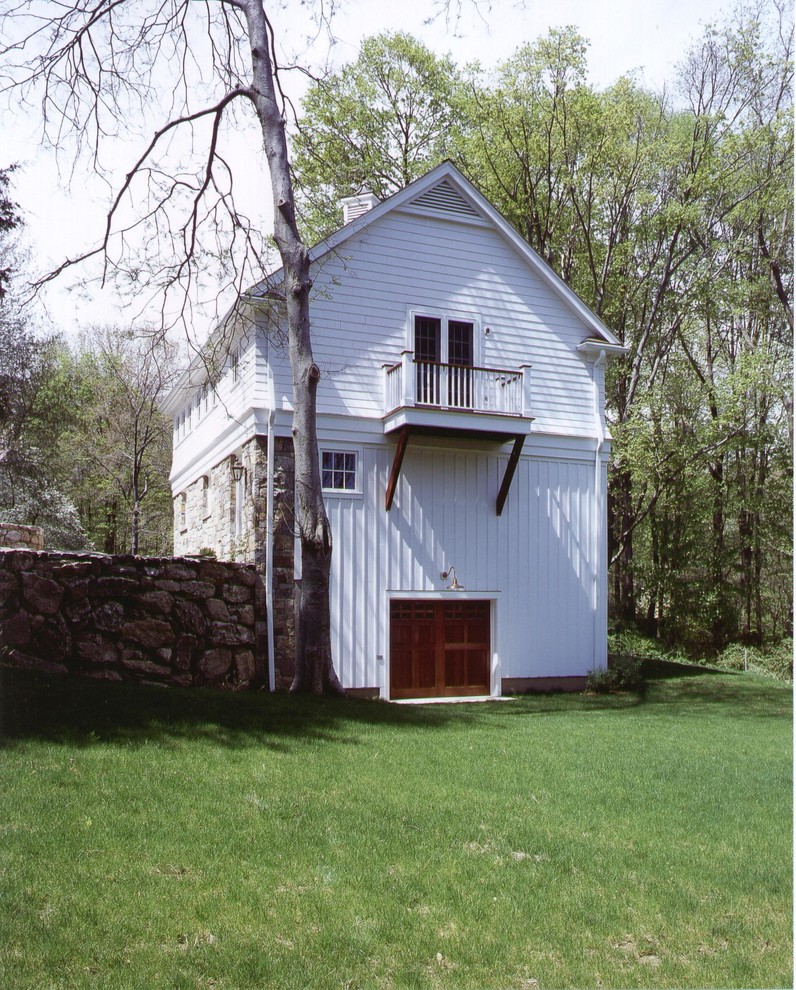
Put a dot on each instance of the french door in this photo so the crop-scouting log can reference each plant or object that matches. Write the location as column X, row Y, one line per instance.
column 444, row 362
column 439, row 648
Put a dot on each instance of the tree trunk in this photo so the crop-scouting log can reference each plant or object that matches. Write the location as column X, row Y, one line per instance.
column 719, row 621
column 655, row 600
column 314, row 668
column 758, row 582
column 626, row 519
column 138, row 495
column 761, row 477
column 109, row 543
column 136, row 527
column 745, row 539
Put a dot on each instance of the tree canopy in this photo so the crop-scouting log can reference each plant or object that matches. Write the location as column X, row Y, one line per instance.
column 80, row 432
column 398, row 103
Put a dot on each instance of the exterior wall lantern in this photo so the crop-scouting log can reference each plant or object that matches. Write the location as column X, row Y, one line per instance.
column 237, row 468
column 451, row 573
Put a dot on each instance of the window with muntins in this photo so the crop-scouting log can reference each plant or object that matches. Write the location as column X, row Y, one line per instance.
column 445, row 341
column 427, row 338
column 460, row 343
column 444, row 351
column 339, row 470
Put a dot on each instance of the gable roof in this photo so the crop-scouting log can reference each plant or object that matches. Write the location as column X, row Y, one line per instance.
column 446, row 194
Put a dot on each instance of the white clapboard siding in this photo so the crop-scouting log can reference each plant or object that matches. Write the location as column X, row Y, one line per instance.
column 261, row 391
column 537, row 556
column 364, row 291
column 215, row 432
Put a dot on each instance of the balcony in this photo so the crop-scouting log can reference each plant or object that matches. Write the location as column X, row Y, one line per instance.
column 429, row 393
column 431, row 398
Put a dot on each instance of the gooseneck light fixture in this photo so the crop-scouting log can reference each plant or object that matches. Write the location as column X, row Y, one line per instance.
column 451, row 573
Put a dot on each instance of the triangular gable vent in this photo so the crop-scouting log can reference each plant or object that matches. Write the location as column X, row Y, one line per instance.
column 445, row 200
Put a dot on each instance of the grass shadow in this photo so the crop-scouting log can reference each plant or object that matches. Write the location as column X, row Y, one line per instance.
column 683, row 690
column 82, row 711
column 699, row 688
column 733, row 695
column 655, row 669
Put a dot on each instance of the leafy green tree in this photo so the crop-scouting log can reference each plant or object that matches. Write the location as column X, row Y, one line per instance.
column 30, row 491
column 735, row 327
column 640, row 206
column 115, row 452
column 379, row 123
column 520, row 142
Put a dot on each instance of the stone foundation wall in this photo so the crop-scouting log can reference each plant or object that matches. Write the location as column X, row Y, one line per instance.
column 15, row 535
column 174, row 621
column 221, row 513
column 214, row 519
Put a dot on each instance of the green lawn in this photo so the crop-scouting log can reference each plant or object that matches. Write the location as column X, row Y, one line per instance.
column 180, row 839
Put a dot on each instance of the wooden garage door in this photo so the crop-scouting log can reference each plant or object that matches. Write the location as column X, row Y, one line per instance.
column 439, row 648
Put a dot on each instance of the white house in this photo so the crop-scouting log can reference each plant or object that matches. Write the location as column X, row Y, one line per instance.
column 463, row 451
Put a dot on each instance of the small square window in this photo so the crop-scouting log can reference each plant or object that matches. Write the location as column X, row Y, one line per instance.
column 339, row 470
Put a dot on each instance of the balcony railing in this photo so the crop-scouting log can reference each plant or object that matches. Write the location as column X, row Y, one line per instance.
column 430, row 384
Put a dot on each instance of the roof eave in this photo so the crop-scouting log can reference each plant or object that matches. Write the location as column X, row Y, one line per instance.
column 596, row 345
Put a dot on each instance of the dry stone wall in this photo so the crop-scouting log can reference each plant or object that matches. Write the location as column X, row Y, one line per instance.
column 232, row 519
column 174, row 621
column 16, row 535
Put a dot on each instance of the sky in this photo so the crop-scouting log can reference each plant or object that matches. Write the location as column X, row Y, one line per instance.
column 650, row 35
column 647, row 37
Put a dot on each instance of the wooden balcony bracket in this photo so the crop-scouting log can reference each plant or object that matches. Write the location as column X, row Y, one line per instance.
column 400, row 450
column 511, row 467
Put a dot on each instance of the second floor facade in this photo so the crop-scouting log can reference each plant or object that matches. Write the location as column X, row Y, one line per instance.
column 428, row 312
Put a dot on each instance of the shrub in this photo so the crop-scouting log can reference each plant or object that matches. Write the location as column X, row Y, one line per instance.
column 629, row 642
column 623, row 674
column 775, row 660
column 600, row 681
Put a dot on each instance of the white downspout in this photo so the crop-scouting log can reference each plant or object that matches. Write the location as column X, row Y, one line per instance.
column 269, row 549
column 597, row 518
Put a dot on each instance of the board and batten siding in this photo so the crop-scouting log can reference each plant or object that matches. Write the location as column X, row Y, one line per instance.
column 365, row 289
column 537, row 559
